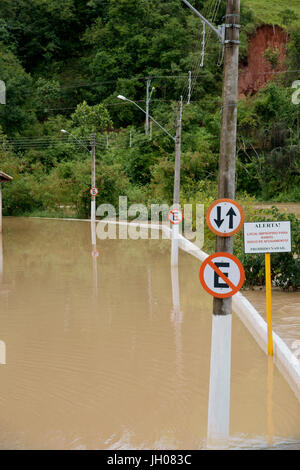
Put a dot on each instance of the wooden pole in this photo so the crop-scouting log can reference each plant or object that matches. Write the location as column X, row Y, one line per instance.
column 220, row 368
column 226, row 183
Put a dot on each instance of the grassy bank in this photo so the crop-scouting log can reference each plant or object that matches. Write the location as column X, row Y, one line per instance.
column 270, row 11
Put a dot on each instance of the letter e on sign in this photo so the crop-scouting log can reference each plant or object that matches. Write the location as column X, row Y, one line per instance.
column 222, row 275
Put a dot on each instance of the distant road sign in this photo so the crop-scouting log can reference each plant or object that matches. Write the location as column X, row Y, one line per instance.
column 95, row 253
column 222, row 275
column 225, row 217
column 267, row 237
column 94, row 191
column 175, row 216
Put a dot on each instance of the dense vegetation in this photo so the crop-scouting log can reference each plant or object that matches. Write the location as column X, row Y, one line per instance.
column 64, row 63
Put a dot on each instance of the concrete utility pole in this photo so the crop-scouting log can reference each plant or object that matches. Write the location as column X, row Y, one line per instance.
column 148, row 98
column 93, row 154
column 190, row 87
column 93, row 169
column 219, row 393
column 176, row 191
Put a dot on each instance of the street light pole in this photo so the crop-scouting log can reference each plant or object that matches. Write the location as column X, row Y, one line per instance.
column 121, row 97
column 176, row 189
column 93, row 167
column 176, row 193
column 93, row 154
column 218, row 31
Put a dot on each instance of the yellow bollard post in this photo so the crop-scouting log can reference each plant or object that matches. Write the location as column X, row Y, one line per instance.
column 270, row 400
column 269, row 302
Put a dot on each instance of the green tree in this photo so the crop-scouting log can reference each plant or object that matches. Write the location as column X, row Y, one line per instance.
column 17, row 114
column 91, row 118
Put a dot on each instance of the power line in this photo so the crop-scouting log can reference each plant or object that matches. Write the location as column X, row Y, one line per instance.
column 107, row 82
column 116, row 140
column 210, row 12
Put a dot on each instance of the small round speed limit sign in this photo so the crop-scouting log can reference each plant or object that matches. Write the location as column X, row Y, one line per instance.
column 94, row 191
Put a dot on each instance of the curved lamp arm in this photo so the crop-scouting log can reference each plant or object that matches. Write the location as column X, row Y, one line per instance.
column 121, row 97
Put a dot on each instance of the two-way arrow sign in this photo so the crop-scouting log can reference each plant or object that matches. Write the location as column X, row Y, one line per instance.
column 218, row 221
column 225, row 217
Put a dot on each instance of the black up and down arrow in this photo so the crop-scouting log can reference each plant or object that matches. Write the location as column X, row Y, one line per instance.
column 219, row 221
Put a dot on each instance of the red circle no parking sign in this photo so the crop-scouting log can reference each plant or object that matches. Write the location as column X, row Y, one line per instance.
column 222, row 275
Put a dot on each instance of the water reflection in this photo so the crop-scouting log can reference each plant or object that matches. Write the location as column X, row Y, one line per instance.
column 2, row 292
column 150, row 297
column 174, row 245
column 176, row 315
column 95, row 255
column 177, row 319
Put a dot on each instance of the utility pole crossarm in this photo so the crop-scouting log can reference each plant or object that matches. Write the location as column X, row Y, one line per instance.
column 218, row 32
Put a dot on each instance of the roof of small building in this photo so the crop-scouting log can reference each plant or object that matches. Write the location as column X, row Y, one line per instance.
column 4, row 177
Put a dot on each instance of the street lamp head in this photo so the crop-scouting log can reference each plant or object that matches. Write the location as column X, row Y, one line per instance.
column 64, row 131
column 121, row 97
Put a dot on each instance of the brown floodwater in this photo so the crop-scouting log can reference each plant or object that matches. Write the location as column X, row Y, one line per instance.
column 285, row 313
column 99, row 357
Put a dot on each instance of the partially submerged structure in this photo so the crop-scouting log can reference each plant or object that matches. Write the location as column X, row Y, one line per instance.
column 3, row 179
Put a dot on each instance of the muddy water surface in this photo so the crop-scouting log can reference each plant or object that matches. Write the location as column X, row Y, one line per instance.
column 285, row 313
column 99, row 357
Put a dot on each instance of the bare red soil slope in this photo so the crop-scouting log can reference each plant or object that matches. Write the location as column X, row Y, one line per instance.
column 259, row 70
